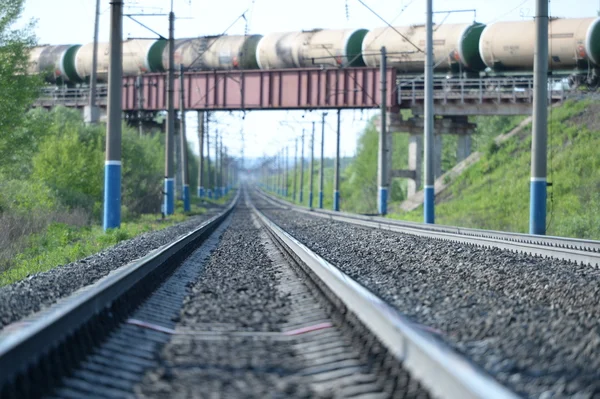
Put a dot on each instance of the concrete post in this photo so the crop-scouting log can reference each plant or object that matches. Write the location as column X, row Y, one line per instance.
column 139, row 85
column 209, row 191
column 383, row 173
column 216, row 167
column 112, row 164
column 169, row 202
column 295, row 169
column 322, row 165
column 336, row 171
column 415, row 162
column 464, row 147
column 312, row 167
column 201, row 155
column 302, row 169
column 183, row 144
column 539, row 142
column 285, row 173
column 429, row 200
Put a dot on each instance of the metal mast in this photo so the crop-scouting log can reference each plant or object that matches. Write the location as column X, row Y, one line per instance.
column 539, row 142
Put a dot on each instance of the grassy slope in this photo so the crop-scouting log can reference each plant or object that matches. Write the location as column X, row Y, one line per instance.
column 60, row 243
column 494, row 193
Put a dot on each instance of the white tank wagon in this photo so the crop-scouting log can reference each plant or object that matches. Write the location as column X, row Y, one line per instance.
column 455, row 47
column 315, row 48
column 139, row 56
column 56, row 63
column 573, row 44
column 215, row 52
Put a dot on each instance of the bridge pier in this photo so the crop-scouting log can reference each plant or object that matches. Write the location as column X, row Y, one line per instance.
column 463, row 149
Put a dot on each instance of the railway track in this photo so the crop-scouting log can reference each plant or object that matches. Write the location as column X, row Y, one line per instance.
column 573, row 250
column 237, row 308
column 529, row 321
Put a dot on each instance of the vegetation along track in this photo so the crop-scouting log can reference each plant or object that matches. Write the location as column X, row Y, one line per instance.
column 529, row 321
column 249, row 313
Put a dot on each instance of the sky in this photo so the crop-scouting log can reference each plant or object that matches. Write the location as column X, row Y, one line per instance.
column 72, row 22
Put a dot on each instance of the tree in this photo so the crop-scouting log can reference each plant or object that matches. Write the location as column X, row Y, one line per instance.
column 17, row 89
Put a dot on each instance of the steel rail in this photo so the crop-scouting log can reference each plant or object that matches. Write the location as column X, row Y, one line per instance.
column 440, row 369
column 569, row 249
column 25, row 343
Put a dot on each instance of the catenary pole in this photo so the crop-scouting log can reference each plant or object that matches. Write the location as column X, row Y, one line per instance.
column 383, row 172
column 295, row 169
column 302, row 169
column 183, row 143
column 539, row 142
column 429, row 200
column 208, row 171
column 322, row 165
column 169, row 203
column 201, row 154
column 336, row 182
column 312, row 167
column 112, row 164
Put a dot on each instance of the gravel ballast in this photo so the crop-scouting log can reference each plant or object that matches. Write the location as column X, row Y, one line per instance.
column 36, row 292
column 230, row 341
column 532, row 323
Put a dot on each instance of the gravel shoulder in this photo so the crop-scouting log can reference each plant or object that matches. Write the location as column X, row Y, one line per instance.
column 28, row 296
column 532, row 323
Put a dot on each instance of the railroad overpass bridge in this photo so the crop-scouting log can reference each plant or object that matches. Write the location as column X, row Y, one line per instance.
column 326, row 89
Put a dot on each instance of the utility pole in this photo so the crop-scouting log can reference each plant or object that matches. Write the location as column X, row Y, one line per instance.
column 217, row 160
column 336, row 183
column 539, row 142
column 295, row 168
column 201, row 154
column 169, row 205
column 383, row 178
column 285, row 173
column 92, row 114
column 112, row 164
column 222, row 177
column 208, row 171
column 139, row 85
column 312, row 167
column 322, row 167
column 429, row 200
column 183, row 144
column 302, row 170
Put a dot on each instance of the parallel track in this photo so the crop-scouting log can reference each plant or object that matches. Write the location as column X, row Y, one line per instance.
column 570, row 249
column 36, row 357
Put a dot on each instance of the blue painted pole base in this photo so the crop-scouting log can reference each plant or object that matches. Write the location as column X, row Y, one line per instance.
column 336, row 201
column 169, row 206
column 201, row 192
column 310, row 199
column 382, row 201
column 429, row 205
column 186, row 198
column 210, row 194
column 301, row 196
column 112, row 195
column 537, row 206
column 320, row 199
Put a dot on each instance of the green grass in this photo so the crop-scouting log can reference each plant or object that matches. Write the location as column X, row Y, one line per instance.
column 60, row 243
column 494, row 193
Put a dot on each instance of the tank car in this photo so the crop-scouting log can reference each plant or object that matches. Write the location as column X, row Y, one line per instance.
column 455, row 47
column 318, row 47
column 57, row 63
column 573, row 43
column 139, row 56
column 215, row 52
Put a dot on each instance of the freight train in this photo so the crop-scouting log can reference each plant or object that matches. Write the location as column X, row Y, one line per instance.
column 466, row 49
